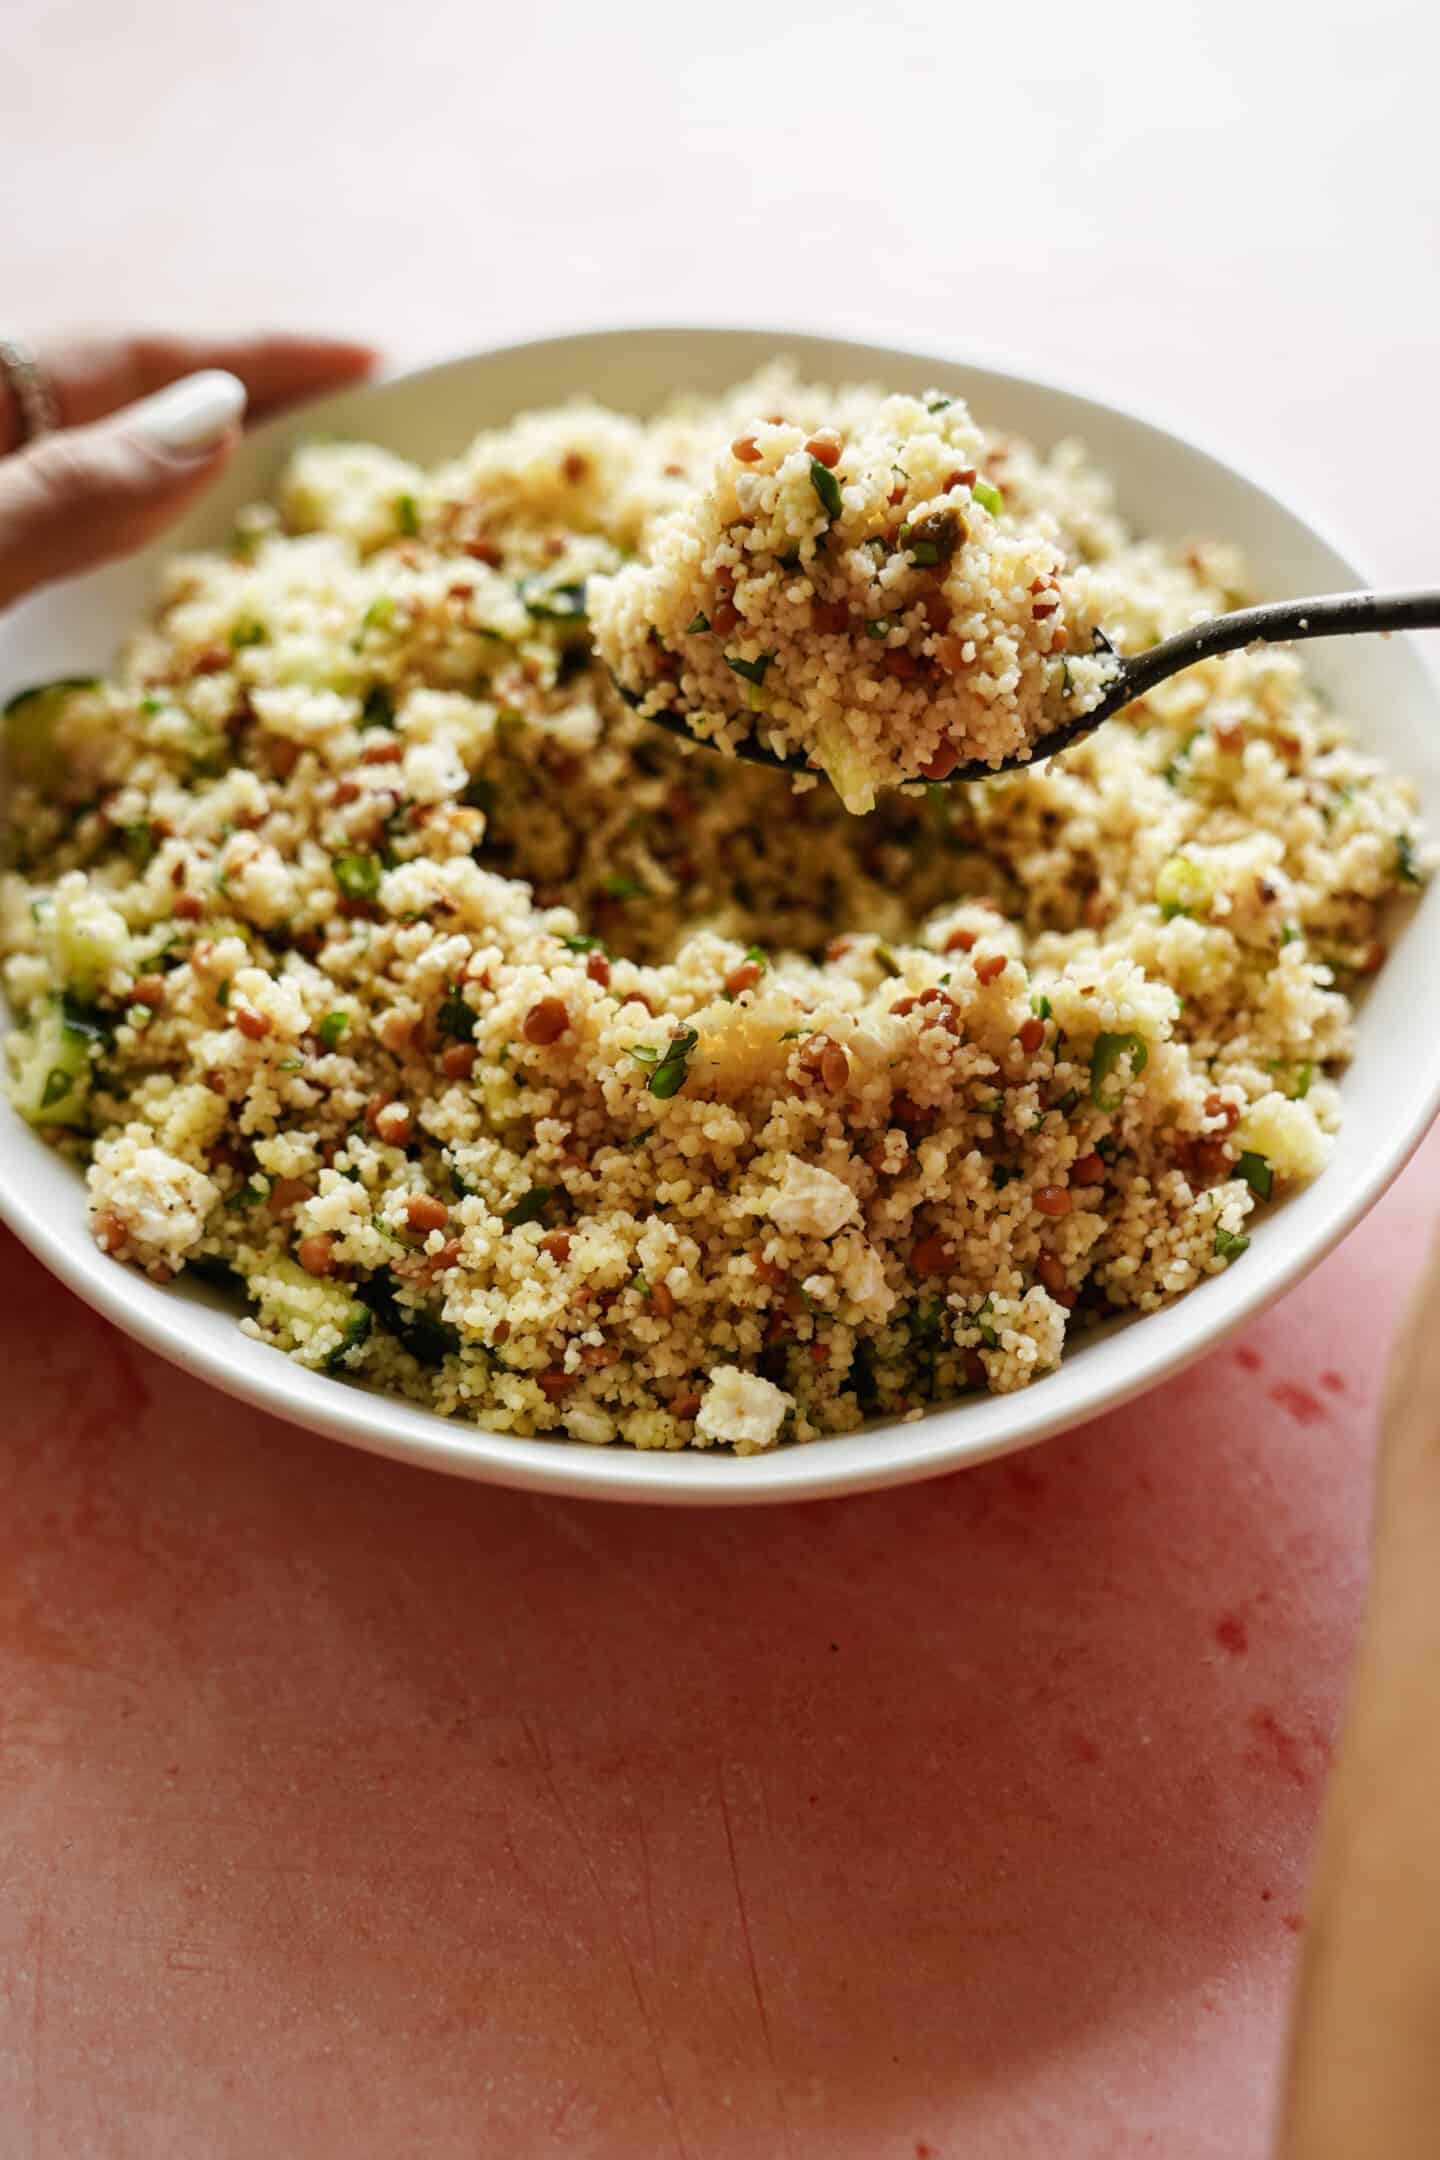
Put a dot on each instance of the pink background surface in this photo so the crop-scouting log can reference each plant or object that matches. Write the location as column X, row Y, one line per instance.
column 344, row 1811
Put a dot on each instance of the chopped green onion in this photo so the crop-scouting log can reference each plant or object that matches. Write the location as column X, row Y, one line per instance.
column 1041, row 1007
column 934, row 539
column 1108, row 1051
column 826, row 486
column 357, row 875
column 697, row 624
column 988, row 497
column 1229, row 1244
column 753, row 670
column 1257, row 1173
column 408, row 514
column 332, row 1027
column 529, row 1207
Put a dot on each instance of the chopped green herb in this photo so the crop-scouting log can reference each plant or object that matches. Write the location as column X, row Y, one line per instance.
column 1067, row 1102
column 1004, row 1174
column 247, row 631
column 753, row 670
column 878, row 627
column 1290, row 933
column 1041, row 1007
column 529, row 1207
column 1257, row 1173
column 827, row 487
column 981, row 1317
column 357, row 875
column 938, row 404
column 455, row 1020
column 1229, row 1244
column 289, row 1065
column 222, row 995
column 1293, row 1080
column 1405, row 869
column 1174, row 770
column 408, row 514
column 553, row 603
column 377, row 711
column 886, row 959
column 332, row 1027
column 697, row 624
column 139, row 845
column 1108, row 1051
column 380, row 610
column 673, row 1068
column 582, row 944
column 988, row 497
column 922, row 1320
column 619, row 885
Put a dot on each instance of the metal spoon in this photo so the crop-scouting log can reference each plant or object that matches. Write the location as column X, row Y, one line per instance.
column 1278, row 622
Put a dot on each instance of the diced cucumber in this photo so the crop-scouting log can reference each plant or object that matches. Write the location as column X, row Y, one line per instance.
column 51, row 1083
column 31, row 750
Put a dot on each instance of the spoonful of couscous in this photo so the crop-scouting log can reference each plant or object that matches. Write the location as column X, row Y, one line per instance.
column 860, row 603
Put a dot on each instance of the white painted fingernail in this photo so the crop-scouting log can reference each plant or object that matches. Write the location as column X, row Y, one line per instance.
column 190, row 416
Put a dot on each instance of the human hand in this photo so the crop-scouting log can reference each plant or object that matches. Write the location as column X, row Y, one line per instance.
column 146, row 423
column 1364, row 2074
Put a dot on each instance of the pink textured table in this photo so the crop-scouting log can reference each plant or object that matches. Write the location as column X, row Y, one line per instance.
column 345, row 1810
column 346, row 1814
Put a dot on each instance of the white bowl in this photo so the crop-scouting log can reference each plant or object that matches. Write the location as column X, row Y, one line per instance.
column 1168, row 486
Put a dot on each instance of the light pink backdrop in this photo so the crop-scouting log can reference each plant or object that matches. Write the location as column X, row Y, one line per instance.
column 345, row 1812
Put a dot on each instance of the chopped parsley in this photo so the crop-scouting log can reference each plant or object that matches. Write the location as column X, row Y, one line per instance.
column 582, row 944
column 455, row 1020
column 407, row 514
column 697, row 624
column 332, row 1027
column 938, row 404
column 671, row 1066
column 1108, row 1051
column 529, row 1207
column 1041, row 1007
column 754, row 671
column 553, row 603
column 247, row 631
column 139, row 844
column 827, row 487
column 981, row 1317
column 1257, row 1173
column 1229, row 1244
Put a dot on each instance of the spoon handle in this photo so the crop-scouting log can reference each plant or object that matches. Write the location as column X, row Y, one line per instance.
column 1278, row 622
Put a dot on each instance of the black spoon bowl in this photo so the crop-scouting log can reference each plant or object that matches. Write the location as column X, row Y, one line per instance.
column 1277, row 622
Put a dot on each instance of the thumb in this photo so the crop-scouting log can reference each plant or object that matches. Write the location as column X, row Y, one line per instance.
column 77, row 498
